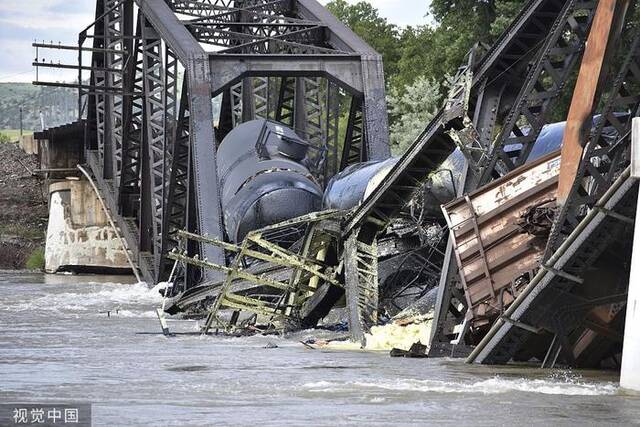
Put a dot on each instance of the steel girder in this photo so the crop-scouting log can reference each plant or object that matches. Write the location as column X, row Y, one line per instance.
column 264, row 41
column 309, row 120
column 331, row 131
column 184, row 195
column 606, row 156
column 542, row 44
column 277, row 286
column 505, row 64
column 593, row 218
column 155, row 122
column 155, row 160
column 292, row 39
column 129, row 193
column 262, row 92
column 285, row 38
column 225, row 10
column 160, row 86
column 309, row 105
column 203, row 176
column 361, row 286
column 171, row 104
column 584, row 227
column 537, row 85
column 176, row 215
column 546, row 300
column 137, row 130
column 543, row 86
column 353, row 151
column 236, row 106
column 115, row 60
column 286, row 98
column 103, row 124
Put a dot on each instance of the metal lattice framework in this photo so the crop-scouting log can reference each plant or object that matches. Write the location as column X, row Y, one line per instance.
column 152, row 139
column 265, row 278
column 607, row 154
column 544, row 84
column 488, row 94
column 361, row 279
column 151, row 134
column 496, row 109
column 554, row 312
column 595, row 215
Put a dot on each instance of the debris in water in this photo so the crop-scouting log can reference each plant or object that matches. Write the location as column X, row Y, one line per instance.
column 416, row 351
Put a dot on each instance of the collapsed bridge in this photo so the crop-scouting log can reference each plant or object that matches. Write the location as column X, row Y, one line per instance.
column 147, row 109
column 151, row 142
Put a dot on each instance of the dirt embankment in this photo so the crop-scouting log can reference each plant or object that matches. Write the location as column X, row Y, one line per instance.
column 23, row 210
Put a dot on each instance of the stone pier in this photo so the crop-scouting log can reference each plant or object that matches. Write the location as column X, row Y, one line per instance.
column 79, row 236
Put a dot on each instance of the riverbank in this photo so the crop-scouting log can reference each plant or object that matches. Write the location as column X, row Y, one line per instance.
column 23, row 210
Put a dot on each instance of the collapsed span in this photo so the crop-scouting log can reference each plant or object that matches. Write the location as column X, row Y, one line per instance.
column 353, row 185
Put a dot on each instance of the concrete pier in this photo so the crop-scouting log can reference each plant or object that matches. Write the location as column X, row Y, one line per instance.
column 79, row 236
column 29, row 144
column 630, row 371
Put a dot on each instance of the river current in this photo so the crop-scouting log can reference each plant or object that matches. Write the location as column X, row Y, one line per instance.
column 97, row 340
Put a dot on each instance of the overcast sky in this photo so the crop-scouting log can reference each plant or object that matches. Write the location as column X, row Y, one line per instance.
column 23, row 21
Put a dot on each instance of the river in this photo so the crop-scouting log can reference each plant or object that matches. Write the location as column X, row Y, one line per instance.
column 94, row 340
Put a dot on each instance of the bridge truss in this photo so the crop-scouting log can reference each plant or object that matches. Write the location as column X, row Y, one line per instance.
column 499, row 102
column 159, row 71
column 152, row 136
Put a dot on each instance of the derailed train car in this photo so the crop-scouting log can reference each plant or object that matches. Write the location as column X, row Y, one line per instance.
column 265, row 180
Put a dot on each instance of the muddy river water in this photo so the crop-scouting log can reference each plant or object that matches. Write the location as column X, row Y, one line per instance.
column 96, row 340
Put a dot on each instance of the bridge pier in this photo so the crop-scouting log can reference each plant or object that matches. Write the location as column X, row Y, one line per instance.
column 79, row 236
column 630, row 369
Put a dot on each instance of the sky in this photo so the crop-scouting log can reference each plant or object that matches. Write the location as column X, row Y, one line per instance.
column 23, row 21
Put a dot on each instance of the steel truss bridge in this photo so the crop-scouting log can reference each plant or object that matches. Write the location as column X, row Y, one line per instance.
column 151, row 134
column 151, row 138
column 498, row 104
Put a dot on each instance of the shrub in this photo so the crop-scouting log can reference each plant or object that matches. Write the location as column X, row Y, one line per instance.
column 36, row 259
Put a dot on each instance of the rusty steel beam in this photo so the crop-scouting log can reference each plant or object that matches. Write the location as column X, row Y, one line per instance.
column 605, row 29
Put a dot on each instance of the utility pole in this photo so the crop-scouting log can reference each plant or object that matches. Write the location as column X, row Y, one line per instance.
column 21, row 123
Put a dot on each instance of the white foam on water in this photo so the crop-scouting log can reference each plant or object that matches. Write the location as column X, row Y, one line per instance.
column 161, row 286
column 131, row 300
column 496, row 385
column 389, row 336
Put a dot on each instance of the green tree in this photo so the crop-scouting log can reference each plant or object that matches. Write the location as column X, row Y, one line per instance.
column 410, row 110
column 506, row 11
column 366, row 22
column 460, row 24
column 417, row 60
column 433, row 51
column 417, row 51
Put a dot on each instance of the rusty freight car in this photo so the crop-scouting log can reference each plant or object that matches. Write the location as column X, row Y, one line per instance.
column 499, row 234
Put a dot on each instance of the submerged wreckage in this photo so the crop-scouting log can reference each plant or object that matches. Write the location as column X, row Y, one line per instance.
column 286, row 275
column 500, row 226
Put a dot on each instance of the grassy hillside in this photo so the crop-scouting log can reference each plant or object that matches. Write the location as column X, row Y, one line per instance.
column 13, row 135
column 58, row 106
